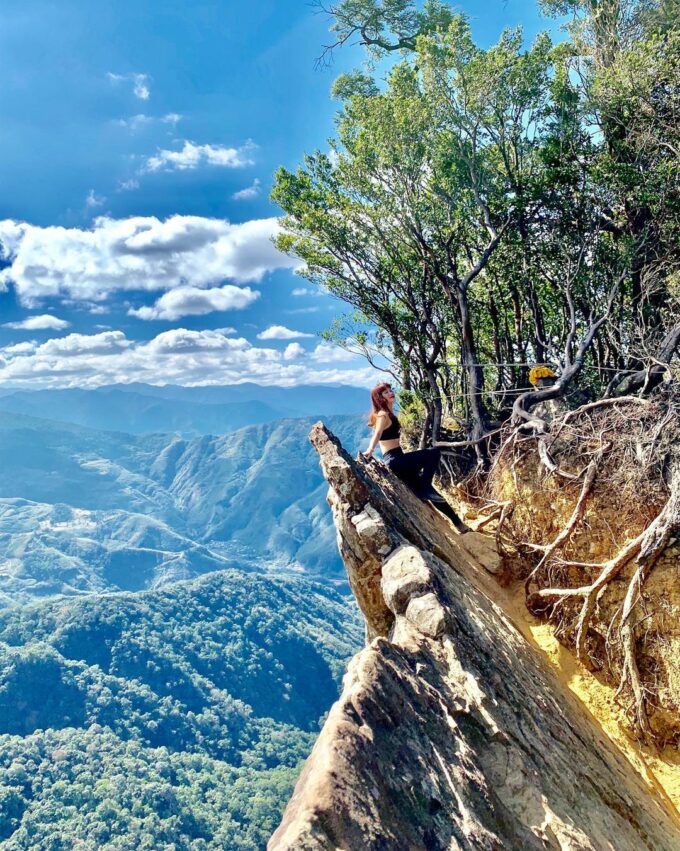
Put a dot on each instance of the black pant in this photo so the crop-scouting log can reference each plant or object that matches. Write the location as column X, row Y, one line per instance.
column 415, row 469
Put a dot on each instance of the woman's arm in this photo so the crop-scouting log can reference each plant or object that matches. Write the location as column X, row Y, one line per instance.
column 380, row 424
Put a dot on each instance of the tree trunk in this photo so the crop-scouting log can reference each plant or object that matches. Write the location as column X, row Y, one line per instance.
column 475, row 375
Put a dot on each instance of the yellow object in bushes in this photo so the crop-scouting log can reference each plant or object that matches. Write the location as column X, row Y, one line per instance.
column 539, row 372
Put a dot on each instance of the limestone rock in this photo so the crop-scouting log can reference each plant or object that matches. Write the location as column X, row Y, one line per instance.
column 451, row 732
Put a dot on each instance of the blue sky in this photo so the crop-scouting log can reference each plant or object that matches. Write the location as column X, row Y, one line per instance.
column 137, row 149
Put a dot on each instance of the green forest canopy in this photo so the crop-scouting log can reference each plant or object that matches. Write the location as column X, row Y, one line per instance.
column 171, row 718
column 484, row 210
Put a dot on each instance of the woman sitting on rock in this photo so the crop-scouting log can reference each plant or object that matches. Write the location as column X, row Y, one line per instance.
column 415, row 469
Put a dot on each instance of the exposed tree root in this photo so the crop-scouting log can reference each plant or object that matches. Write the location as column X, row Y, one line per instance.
column 577, row 514
column 604, row 403
column 625, row 454
column 656, row 539
column 590, row 593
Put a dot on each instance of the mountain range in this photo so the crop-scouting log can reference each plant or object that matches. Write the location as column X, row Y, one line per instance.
column 144, row 408
column 85, row 510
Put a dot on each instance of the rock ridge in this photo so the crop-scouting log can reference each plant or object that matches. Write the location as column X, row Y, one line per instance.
column 451, row 731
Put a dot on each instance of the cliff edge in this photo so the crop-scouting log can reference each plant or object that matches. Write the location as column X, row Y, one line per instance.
column 451, row 731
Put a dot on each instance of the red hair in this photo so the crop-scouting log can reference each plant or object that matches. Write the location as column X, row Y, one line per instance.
column 378, row 402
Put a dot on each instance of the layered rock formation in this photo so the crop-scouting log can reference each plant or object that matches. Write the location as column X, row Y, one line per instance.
column 451, row 731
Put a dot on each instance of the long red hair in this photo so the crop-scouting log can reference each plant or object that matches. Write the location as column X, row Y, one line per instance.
column 378, row 402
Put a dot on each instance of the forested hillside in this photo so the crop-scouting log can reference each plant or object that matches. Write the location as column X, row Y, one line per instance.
column 179, row 715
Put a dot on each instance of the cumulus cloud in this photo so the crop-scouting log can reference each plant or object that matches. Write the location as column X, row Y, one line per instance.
column 249, row 192
column 138, row 253
column 139, row 83
column 280, row 332
column 293, row 351
column 20, row 348
column 192, row 301
column 329, row 353
column 192, row 156
column 40, row 322
column 76, row 345
column 177, row 356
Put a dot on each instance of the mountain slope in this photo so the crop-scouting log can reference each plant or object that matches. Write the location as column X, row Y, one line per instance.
column 84, row 510
column 215, row 684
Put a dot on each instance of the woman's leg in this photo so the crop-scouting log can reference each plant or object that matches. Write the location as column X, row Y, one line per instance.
column 430, row 466
column 443, row 506
column 419, row 466
column 417, row 470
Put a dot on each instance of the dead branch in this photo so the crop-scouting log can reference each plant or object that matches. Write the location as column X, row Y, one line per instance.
column 603, row 403
column 462, row 444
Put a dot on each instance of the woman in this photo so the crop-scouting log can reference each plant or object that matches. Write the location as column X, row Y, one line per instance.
column 415, row 469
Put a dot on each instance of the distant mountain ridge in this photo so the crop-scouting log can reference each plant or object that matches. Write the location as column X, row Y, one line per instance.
column 84, row 511
column 189, row 411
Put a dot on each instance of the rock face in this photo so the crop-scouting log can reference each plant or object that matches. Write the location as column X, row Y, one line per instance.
column 451, row 732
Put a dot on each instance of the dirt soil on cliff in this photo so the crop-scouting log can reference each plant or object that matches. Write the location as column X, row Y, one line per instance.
column 563, row 529
column 660, row 769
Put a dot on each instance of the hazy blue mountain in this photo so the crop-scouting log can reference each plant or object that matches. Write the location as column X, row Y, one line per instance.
column 84, row 510
column 173, row 716
column 143, row 408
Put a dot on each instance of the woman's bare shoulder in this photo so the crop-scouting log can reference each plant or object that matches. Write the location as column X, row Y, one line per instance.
column 382, row 415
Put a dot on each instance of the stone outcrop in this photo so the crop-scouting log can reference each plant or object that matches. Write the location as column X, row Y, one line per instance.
column 451, row 732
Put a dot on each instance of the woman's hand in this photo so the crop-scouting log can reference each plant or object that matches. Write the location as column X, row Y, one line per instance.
column 367, row 453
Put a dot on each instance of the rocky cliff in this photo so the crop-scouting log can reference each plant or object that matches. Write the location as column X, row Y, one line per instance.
column 451, row 731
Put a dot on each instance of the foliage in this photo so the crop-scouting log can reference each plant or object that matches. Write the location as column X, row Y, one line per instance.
column 179, row 715
column 485, row 209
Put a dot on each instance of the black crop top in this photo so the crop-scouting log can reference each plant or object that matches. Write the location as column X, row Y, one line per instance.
column 393, row 429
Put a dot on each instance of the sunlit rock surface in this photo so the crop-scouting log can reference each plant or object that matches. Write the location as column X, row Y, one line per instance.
column 451, row 732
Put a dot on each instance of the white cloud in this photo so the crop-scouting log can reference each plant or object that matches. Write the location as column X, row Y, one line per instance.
column 329, row 353
column 192, row 156
column 40, row 322
column 135, row 122
column 178, row 356
column 293, row 351
column 139, row 253
column 303, row 310
column 127, row 185
column 76, row 345
column 139, row 82
column 249, row 192
column 192, row 301
column 280, row 332
column 93, row 200
column 317, row 292
column 20, row 348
